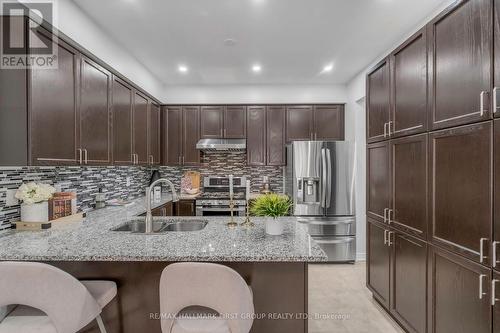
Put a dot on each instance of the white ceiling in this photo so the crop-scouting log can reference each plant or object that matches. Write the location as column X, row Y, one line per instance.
column 291, row 39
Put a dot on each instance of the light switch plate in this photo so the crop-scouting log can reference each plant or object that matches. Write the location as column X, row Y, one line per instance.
column 11, row 200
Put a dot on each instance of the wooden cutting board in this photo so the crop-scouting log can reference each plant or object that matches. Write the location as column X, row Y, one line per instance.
column 195, row 178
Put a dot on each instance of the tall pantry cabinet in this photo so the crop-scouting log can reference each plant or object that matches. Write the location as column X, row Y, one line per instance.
column 433, row 168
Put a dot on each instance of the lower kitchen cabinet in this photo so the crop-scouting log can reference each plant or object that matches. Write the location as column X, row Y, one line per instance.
column 409, row 282
column 185, row 208
column 495, row 301
column 164, row 210
column 460, row 294
column 378, row 262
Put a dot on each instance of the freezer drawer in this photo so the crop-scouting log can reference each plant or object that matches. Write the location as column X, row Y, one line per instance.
column 330, row 226
column 338, row 249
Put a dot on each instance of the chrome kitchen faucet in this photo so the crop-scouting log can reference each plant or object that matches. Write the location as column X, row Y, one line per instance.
column 149, row 215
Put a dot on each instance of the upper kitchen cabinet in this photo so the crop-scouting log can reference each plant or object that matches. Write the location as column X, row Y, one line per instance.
column 408, row 211
column 460, row 64
column 299, row 123
column 190, row 135
column 329, row 122
column 378, row 179
column 212, row 122
column 95, row 117
column 235, row 122
column 276, row 119
column 496, row 46
column 461, row 195
column 122, row 122
column 140, row 125
column 496, row 208
column 256, row 139
column 172, row 135
column 409, row 87
column 53, row 107
column 154, row 134
column 378, row 102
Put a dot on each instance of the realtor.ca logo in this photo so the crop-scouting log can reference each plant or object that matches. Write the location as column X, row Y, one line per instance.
column 24, row 43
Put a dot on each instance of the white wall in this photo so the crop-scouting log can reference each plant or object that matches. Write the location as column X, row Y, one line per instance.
column 249, row 94
column 78, row 26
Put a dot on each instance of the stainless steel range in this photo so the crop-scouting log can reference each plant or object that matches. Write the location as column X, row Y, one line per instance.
column 215, row 198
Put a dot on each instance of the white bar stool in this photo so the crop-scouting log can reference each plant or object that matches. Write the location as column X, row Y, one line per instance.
column 204, row 298
column 49, row 300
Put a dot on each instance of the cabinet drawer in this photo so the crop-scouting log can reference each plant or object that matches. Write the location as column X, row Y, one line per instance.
column 338, row 249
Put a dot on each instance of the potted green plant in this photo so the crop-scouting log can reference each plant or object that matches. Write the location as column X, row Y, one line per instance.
column 272, row 206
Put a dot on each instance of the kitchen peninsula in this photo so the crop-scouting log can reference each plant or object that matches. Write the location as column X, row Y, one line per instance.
column 274, row 266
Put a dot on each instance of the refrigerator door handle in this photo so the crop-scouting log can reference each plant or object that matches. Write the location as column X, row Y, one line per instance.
column 323, row 177
column 328, row 178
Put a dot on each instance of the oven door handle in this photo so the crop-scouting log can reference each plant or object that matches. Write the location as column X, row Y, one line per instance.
column 214, row 209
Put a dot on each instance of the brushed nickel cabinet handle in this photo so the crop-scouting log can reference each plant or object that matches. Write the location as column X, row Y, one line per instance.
column 481, row 293
column 389, row 214
column 180, row 161
column 389, row 126
column 493, row 292
column 389, row 238
column 481, row 250
column 80, row 154
column 385, row 130
column 494, row 254
column 481, row 103
column 86, row 156
column 495, row 90
column 183, row 159
column 385, row 236
column 386, row 210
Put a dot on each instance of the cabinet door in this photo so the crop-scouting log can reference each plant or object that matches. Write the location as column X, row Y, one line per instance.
column 409, row 282
column 185, row 208
column 496, row 302
column 141, row 128
column 496, row 60
column 154, row 133
column 378, row 262
column 378, row 102
column 329, row 122
column 122, row 122
column 460, row 47
column 95, row 117
column 299, row 123
column 235, row 122
column 190, row 135
column 496, row 207
column 256, row 135
column 378, row 181
column 212, row 122
column 409, row 63
column 454, row 296
column 461, row 166
column 410, row 184
column 172, row 135
column 276, row 135
column 53, row 107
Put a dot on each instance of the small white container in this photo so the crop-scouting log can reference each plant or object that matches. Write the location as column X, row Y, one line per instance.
column 274, row 226
column 38, row 212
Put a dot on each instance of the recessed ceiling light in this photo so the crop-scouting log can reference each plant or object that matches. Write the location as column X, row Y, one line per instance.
column 256, row 68
column 183, row 69
column 328, row 68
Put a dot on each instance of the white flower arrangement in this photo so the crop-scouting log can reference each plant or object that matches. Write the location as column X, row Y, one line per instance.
column 31, row 193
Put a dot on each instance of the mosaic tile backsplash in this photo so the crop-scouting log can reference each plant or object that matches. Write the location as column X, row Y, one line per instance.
column 86, row 181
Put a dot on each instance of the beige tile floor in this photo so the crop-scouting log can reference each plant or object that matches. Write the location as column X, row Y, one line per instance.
column 341, row 290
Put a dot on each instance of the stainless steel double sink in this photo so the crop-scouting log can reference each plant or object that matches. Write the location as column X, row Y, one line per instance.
column 170, row 225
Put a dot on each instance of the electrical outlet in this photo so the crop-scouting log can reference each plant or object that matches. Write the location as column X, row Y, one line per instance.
column 128, row 181
column 11, row 200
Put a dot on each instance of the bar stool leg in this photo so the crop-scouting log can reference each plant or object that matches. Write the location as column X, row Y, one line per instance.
column 100, row 324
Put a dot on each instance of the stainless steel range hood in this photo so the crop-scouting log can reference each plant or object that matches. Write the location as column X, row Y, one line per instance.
column 222, row 145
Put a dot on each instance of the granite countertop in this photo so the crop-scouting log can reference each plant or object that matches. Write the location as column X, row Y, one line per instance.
column 92, row 240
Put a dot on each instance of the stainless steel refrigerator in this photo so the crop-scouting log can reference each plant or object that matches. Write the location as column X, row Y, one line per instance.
column 320, row 178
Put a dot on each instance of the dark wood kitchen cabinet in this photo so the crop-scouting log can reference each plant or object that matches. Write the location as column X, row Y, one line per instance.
column 378, row 178
column 235, row 118
column 456, row 302
column 164, row 210
column 462, row 178
column 140, row 126
column 496, row 195
column 409, row 179
column 185, row 208
column 408, row 281
column 122, row 122
column 275, row 123
column 172, row 135
column 496, row 60
column 212, row 122
column 190, row 135
column 495, row 297
column 95, row 113
column 378, row 102
column 299, row 123
column 409, row 86
column 256, row 135
column 53, row 107
column 328, row 122
column 378, row 262
column 460, row 63
column 154, row 131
